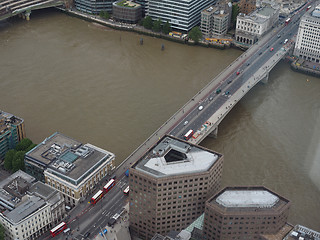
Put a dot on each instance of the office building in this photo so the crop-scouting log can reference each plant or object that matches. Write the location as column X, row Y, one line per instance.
column 244, row 213
column 127, row 11
column 11, row 132
column 250, row 28
column 182, row 15
column 28, row 208
column 308, row 38
column 69, row 166
column 247, row 6
column 94, row 6
column 300, row 232
column 215, row 21
column 169, row 186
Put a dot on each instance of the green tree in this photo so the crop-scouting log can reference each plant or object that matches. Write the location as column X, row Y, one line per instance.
column 166, row 28
column 8, row 159
column 18, row 161
column 235, row 12
column 195, row 34
column 141, row 22
column 157, row 25
column 23, row 144
column 101, row 14
column 1, row 232
column 147, row 22
column 106, row 15
column 33, row 145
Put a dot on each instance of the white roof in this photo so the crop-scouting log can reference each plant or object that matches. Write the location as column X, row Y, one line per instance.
column 198, row 162
column 247, row 198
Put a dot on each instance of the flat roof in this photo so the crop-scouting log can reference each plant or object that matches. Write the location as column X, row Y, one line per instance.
column 25, row 209
column 304, row 232
column 247, row 198
column 68, row 158
column 172, row 156
column 7, row 121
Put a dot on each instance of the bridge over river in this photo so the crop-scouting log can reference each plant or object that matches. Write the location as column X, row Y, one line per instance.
column 203, row 113
column 10, row 8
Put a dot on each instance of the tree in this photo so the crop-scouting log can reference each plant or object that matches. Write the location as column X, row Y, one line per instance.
column 18, row 161
column 8, row 159
column 235, row 12
column 195, row 34
column 157, row 25
column 147, row 22
column 1, row 232
column 33, row 145
column 166, row 28
column 23, row 144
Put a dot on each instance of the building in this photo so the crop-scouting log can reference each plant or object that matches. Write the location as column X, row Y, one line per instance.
column 244, row 213
column 94, row 6
column 11, row 132
column 69, row 166
column 307, row 45
column 214, row 21
column 247, row 6
column 127, row 11
column 169, row 186
column 302, row 233
column 28, row 208
column 182, row 15
column 250, row 28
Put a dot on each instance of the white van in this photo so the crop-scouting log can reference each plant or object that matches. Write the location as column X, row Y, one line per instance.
column 285, row 41
column 66, row 230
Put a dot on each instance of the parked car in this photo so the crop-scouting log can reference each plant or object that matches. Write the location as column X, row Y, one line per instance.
column 200, row 108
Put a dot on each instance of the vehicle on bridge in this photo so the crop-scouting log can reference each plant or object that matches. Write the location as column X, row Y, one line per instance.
column 285, row 41
column 126, row 173
column 96, row 197
column 126, row 191
column 200, row 108
column 188, row 135
column 58, row 229
column 109, row 185
column 218, row 91
column 271, row 49
column 287, row 21
column 308, row 8
column 238, row 72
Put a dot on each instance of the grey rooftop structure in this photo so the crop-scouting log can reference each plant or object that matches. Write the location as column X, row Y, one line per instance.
column 171, row 156
column 260, row 15
column 68, row 158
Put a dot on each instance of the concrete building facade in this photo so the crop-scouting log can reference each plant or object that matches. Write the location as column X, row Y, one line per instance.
column 250, row 28
column 244, row 213
column 28, row 208
column 247, row 6
column 182, row 15
column 12, row 131
column 127, row 11
column 307, row 45
column 69, row 166
column 94, row 6
column 169, row 186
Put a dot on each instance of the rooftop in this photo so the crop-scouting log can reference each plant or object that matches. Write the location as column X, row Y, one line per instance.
column 260, row 15
column 172, row 156
column 68, row 158
column 7, row 121
column 256, row 198
column 303, row 233
column 127, row 3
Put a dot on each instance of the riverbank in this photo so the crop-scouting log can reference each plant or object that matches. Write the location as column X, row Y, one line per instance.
column 139, row 29
column 306, row 67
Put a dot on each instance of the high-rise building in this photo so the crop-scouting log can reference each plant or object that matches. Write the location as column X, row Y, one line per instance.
column 69, row 166
column 11, row 132
column 307, row 45
column 28, row 208
column 170, row 184
column 182, row 15
column 94, row 6
column 244, row 213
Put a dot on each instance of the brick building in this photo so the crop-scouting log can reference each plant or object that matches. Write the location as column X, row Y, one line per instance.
column 169, row 186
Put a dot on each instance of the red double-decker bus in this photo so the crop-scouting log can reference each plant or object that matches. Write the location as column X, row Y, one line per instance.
column 109, row 185
column 58, row 229
column 188, row 135
column 96, row 197
column 126, row 191
column 287, row 21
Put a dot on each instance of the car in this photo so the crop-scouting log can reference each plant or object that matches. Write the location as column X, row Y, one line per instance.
column 230, row 81
column 238, row 72
column 248, row 64
column 200, row 108
column 104, row 232
column 279, row 36
column 271, row 49
column 218, row 91
column 87, row 234
column 260, row 53
column 185, row 123
column 227, row 93
column 210, row 99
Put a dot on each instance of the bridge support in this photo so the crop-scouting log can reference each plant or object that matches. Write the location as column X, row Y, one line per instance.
column 265, row 79
column 214, row 133
column 27, row 15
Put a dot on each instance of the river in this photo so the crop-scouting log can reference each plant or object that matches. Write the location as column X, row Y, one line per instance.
column 100, row 86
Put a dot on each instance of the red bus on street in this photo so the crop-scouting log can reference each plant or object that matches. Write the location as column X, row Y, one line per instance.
column 287, row 21
column 188, row 135
column 126, row 191
column 58, row 229
column 308, row 8
column 109, row 185
column 96, row 197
